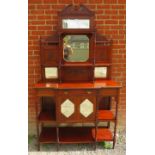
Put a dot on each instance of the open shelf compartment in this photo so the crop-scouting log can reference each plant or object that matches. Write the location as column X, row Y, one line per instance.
column 83, row 135
column 75, row 135
column 105, row 115
column 46, row 116
column 71, row 135
column 48, row 135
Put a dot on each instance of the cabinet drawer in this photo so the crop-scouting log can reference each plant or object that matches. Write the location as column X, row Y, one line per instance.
column 108, row 92
column 77, row 92
column 45, row 92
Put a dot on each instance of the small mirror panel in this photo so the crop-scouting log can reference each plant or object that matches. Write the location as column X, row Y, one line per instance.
column 51, row 72
column 76, row 48
column 100, row 72
column 75, row 24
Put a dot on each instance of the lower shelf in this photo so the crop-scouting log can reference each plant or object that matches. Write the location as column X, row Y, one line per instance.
column 48, row 135
column 102, row 134
column 75, row 135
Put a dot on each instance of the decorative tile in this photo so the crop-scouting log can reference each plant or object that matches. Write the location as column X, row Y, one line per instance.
column 86, row 108
column 67, row 108
column 51, row 72
column 100, row 72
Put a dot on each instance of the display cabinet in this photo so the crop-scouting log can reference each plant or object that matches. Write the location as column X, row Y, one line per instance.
column 75, row 93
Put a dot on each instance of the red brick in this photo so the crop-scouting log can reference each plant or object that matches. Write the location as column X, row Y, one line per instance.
column 118, row 7
column 99, row 22
column 99, row 12
column 117, row 27
column 113, row 12
column 30, row 17
column 110, row 1
column 92, row 7
column 57, row 7
column 51, row 22
column 95, row 1
column 37, row 22
column 32, row 27
column 123, row 12
column 103, row 6
column 111, row 22
column 50, row 1
column 117, row 17
column 111, row 32
column 50, row 12
column 121, row 1
column 31, row 7
column 65, row 1
column 43, row 17
column 103, row 17
column 38, row 32
column 122, row 41
column 122, row 32
column 36, row 12
column 33, row 37
column 42, row 6
column 35, row 1
column 122, row 22
column 80, row 1
column 44, row 27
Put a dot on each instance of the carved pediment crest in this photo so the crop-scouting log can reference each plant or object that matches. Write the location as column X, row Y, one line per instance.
column 76, row 10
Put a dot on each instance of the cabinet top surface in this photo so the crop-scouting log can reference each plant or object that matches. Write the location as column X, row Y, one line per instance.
column 87, row 85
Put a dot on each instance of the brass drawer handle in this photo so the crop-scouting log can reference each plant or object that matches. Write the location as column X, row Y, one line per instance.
column 89, row 92
column 65, row 92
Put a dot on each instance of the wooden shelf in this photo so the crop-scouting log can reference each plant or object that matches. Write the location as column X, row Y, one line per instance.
column 83, row 64
column 103, row 134
column 71, row 135
column 48, row 135
column 75, row 135
column 46, row 116
column 105, row 115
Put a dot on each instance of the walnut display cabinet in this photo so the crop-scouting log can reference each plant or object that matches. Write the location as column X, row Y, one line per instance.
column 75, row 93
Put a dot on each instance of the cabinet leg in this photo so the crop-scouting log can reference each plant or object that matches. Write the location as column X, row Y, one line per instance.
column 38, row 146
column 57, row 147
column 95, row 145
column 113, row 144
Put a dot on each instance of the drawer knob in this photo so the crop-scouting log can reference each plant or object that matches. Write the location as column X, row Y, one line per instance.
column 65, row 92
column 88, row 92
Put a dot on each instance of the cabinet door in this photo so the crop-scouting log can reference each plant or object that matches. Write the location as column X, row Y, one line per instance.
column 67, row 109
column 87, row 108
column 76, row 108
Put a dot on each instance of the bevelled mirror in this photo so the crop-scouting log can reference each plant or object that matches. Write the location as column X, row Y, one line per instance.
column 75, row 24
column 76, row 48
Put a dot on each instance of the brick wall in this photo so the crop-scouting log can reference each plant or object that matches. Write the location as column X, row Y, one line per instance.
column 110, row 21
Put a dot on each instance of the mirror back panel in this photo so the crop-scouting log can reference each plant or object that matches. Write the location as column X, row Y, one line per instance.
column 75, row 51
